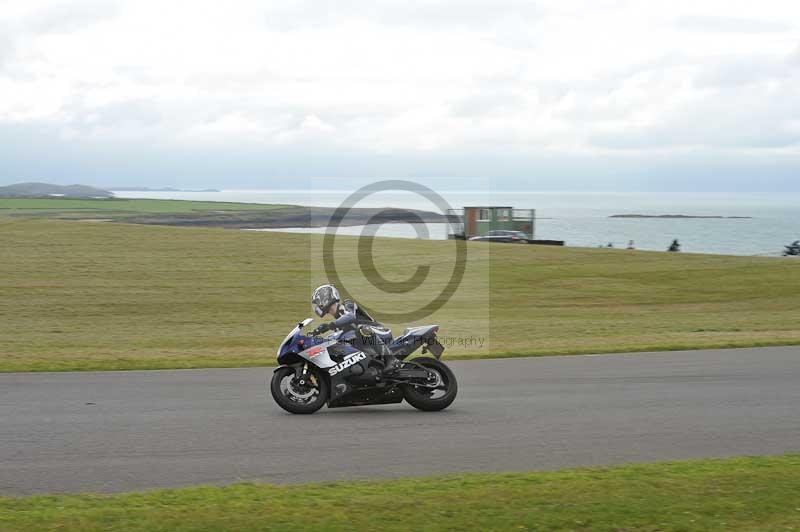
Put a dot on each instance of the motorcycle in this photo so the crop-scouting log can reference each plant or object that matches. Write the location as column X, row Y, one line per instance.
column 315, row 370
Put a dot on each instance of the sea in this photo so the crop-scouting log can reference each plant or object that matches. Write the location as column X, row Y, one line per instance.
column 759, row 224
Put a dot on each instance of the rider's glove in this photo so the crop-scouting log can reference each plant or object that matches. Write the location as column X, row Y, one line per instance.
column 325, row 327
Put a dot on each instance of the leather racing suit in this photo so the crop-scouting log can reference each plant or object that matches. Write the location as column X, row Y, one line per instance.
column 361, row 328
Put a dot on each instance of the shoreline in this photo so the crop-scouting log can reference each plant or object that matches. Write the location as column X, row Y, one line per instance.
column 288, row 217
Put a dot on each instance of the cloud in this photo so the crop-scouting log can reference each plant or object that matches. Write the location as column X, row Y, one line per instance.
column 6, row 47
column 67, row 17
column 418, row 86
column 742, row 70
column 433, row 14
column 794, row 58
column 732, row 24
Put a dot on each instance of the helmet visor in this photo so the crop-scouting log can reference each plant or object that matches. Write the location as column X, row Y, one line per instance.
column 318, row 310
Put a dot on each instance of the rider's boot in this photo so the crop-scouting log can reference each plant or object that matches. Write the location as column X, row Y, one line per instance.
column 390, row 364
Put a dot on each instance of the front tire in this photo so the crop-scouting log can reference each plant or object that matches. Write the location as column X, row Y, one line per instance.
column 298, row 398
column 433, row 399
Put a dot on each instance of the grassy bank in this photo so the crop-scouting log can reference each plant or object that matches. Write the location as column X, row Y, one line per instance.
column 732, row 494
column 183, row 213
column 117, row 207
column 81, row 295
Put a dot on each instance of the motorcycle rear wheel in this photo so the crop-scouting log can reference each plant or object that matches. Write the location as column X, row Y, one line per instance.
column 293, row 397
column 428, row 399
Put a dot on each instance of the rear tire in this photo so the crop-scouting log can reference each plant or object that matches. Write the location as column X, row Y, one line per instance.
column 425, row 398
column 290, row 396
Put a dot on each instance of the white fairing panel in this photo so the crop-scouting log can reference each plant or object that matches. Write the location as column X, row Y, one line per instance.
column 318, row 355
column 417, row 331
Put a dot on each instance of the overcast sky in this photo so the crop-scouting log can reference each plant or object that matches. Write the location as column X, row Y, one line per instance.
column 604, row 94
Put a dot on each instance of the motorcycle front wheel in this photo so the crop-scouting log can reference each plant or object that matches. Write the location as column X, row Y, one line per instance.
column 298, row 397
column 439, row 394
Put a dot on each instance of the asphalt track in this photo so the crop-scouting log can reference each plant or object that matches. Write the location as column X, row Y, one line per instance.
column 120, row 431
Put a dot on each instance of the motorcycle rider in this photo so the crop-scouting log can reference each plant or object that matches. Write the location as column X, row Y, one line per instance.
column 348, row 316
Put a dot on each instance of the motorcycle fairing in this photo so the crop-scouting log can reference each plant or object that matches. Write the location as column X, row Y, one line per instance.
column 369, row 396
column 414, row 337
column 318, row 354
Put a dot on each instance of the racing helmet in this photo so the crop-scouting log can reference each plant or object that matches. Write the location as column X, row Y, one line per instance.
column 323, row 297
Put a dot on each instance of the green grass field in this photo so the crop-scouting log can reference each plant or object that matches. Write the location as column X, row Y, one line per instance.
column 180, row 213
column 79, row 295
column 732, row 494
column 66, row 207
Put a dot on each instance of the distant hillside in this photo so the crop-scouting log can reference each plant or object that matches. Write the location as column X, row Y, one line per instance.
column 162, row 189
column 38, row 190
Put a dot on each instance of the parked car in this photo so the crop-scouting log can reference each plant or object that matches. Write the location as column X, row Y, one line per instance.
column 501, row 235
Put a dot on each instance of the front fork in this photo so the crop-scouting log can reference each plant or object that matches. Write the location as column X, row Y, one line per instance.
column 304, row 376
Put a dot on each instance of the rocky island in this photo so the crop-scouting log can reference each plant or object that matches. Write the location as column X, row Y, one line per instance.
column 680, row 216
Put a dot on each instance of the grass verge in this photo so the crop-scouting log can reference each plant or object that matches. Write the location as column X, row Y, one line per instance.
column 758, row 493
